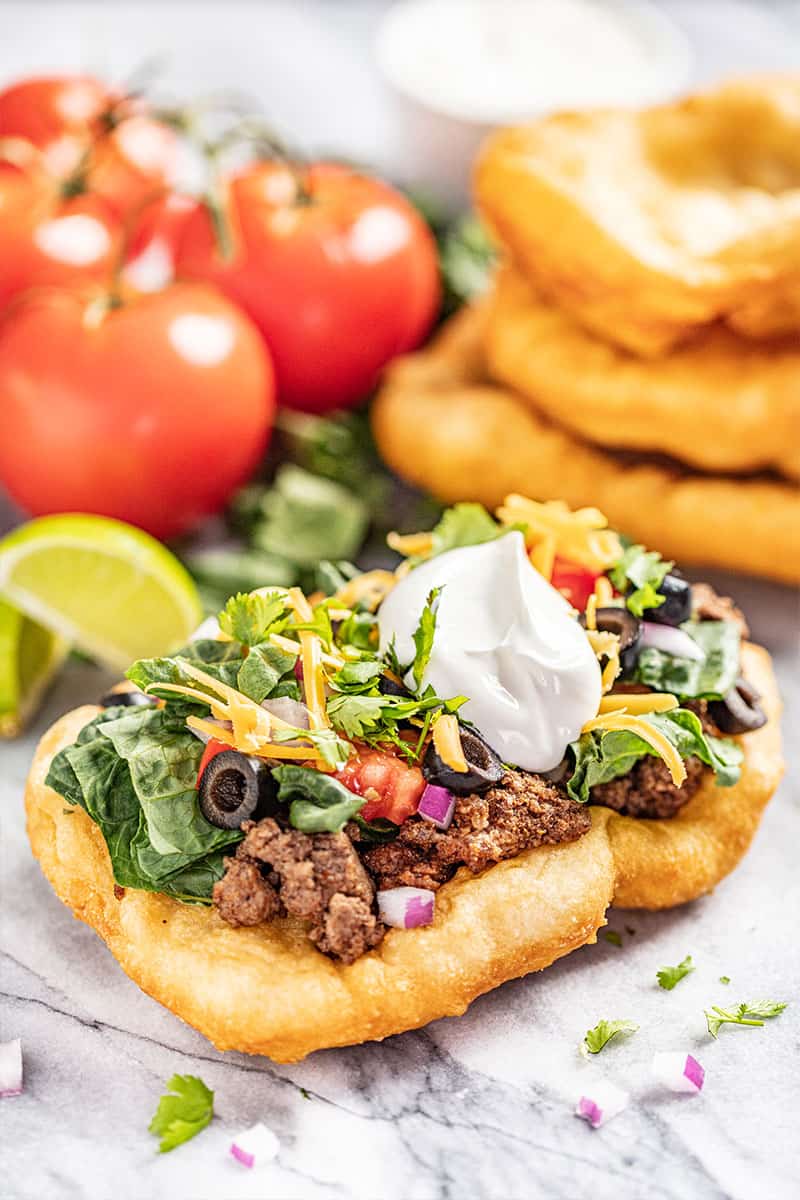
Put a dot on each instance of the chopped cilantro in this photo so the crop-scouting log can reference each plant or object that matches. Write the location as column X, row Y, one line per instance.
column 185, row 1109
column 356, row 716
column 247, row 616
column 668, row 976
column 423, row 637
column 595, row 1039
column 464, row 525
column 613, row 937
column 743, row 1014
column 642, row 571
column 724, row 978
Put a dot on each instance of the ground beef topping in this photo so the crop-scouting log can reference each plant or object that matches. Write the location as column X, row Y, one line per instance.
column 521, row 812
column 648, row 791
column 318, row 878
column 707, row 605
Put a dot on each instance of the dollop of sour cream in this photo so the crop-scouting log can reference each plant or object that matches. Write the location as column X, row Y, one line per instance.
column 505, row 639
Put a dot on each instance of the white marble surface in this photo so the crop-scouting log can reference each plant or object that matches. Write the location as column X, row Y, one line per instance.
column 477, row 1107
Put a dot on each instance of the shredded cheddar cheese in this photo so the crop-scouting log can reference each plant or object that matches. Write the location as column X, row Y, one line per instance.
column 333, row 659
column 603, row 591
column 606, row 645
column 591, row 612
column 582, row 536
column 633, row 724
column 637, row 702
column 409, row 544
column 543, row 556
column 447, row 740
column 261, row 749
column 369, row 588
column 313, row 670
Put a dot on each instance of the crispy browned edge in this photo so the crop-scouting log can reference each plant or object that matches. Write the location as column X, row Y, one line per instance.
column 269, row 991
column 482, row 442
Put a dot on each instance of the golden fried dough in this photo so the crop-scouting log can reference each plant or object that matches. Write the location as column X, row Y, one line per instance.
column 268, row 990
column 660, row 864
column 646, row 225
column 718, row 403
column 440, row 424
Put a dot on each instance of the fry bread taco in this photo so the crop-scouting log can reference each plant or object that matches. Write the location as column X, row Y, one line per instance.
column 331, row 819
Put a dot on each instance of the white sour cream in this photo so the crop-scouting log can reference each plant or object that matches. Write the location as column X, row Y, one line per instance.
column 504, row 638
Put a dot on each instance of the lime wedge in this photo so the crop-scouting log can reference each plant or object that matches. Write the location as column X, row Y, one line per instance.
column 30, row 655
column 103, row 586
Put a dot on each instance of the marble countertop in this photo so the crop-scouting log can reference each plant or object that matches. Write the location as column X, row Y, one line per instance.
column 477, row 1107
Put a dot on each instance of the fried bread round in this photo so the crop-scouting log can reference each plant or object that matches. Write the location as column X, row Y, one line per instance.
column 719, row 403
column 646, row 225
column 442, row 424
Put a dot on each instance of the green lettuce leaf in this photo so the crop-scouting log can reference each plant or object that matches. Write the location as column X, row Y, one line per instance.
column 639, row 573
column 713, row 677
column 317, row 802
column 265, row 667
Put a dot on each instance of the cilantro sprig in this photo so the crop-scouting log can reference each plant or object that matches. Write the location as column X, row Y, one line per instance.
column 595, row 1039
column 183, row 1111
column 423, row 636
column 668, row 976
column 747, row 1013
column 642, row 571
column 249, row 615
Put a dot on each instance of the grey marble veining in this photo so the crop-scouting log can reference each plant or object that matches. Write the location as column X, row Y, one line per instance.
column 477, row 1107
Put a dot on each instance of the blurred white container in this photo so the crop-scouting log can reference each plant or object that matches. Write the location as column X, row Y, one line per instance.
column 459, row 67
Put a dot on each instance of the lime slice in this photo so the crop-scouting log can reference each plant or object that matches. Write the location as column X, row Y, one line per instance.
column 30, row 655
column 104, row 586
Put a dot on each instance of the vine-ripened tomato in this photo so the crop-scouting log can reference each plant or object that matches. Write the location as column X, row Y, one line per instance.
column 392, row 787
column 339, row 273
column 152, row 412
column 103, row 141
column 45, row 238
column 574, row 581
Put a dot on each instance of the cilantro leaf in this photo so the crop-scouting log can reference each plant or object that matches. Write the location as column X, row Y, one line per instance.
column 668, row 976
column 724, row 978
column 357, row 676
column 595, row 1039
column 248, row 615
column 640, row 572
column 185, row 1109
column 423, row 637
column 357, row 715
column 612, row 936
column 743, row 1014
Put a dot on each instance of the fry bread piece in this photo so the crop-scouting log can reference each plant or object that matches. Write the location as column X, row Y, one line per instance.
column 441, row 424
column 267, row 990
column 646, row 225
column 718, row 403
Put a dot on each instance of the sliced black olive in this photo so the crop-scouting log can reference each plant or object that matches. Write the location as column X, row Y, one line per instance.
column 739, row 711
column 390, row 687
column 628, row 629
column 485, row 768
column 676, row 607
column 234, row 788
column 130, row 696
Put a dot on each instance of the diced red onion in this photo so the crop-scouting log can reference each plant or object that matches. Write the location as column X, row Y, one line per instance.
column 605, row 1101
column 670, row 640
column 255, row 1147
column 406, row 907
column 206, row 629
column 437, row 804
column 288, row 710
column 204, row 737
column 678, row 1071
column 11, row 1068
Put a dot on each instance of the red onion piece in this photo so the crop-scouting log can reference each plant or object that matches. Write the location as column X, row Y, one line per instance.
column 11, row 1068
column 208, row 629
column 606, row 1101
column 670, row 640
column 406, row 907
column 255, row 1147
column 437, row 804
column 678, row 1071
column 288, row 710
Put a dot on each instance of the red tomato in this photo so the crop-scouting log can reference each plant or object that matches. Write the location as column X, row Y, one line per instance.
column 398, row 787
column 213, row 748
column 338, row 281
column 153, row 245
column 576, row 582
column 152, row 412
column 131, row 156
column 46, row 239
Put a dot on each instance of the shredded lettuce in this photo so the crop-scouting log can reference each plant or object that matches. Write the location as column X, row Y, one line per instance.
column 712, row 678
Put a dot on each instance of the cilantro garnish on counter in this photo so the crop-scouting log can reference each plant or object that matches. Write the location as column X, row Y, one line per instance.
column 753, row 1013
column 644, row 570
column 183, row 1111
column 668, row 976
column 595, row 1039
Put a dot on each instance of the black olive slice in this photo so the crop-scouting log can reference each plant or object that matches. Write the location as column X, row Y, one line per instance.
column 485, row 768
column 627, row 627
column 739, row 711
column 234, row 788
column 676, row 607
column 390, row 687
column 128, row 696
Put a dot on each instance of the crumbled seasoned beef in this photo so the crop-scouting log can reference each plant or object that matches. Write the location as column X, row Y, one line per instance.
column 318, row 877
column 648, row 791
column 707, row 605
column 243, row 896
column 521, row 812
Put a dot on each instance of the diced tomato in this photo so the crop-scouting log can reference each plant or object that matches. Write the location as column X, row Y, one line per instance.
column 393, row 789
column 574, row 581
column 213, row 748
